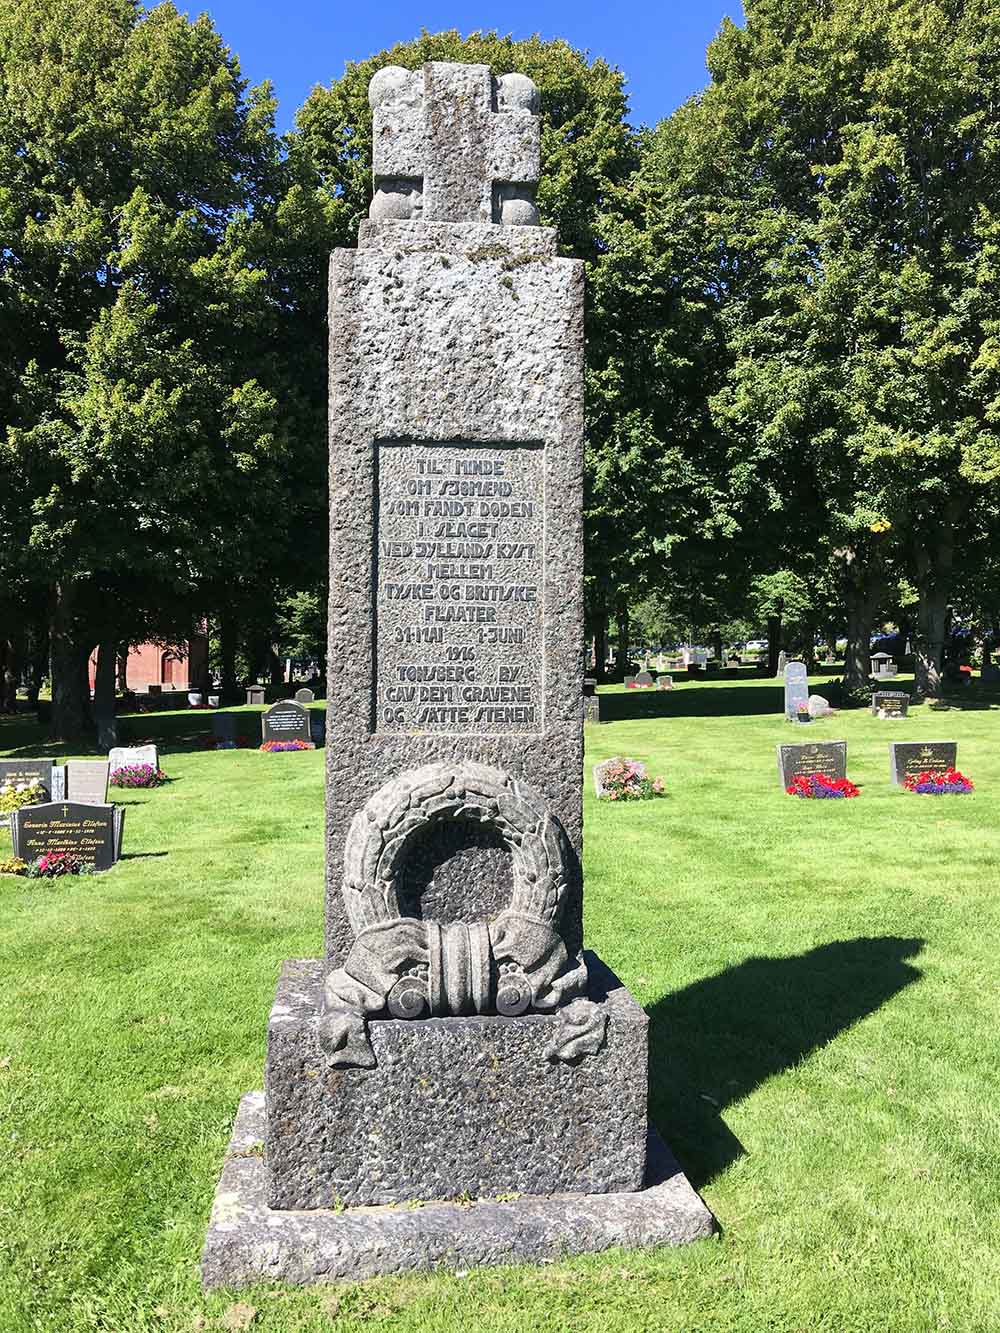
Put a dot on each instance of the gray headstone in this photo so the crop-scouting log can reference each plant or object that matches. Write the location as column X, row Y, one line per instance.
column 818, row 706
column 644, row 679
column 890, row 703
column 122, row 756
column 225, row 726
column 664, row 682
column 454, row 773
column 87, row 781
column 256, row 694
column 907, row 758
column 20, row 771
column 91, row 832
column 286, row 721
column 796, row 688
column 828, row 758
column 782, row 662
column 305, row 696
column 59, row 782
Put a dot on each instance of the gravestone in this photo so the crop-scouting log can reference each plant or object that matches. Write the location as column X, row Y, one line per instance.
column 644, row 680
column 628, row 681
column 317, row 727
column 826, row 757
column 890, row 703
column 591, row 700
column 664, row 682
column 123, row 756
column 456, row 1039
column 782, row 663
column 87, row 781
column 305, row 696
column 256, row 694
column 286, row 721
column 796, row 689
column 907, row 758
column 19, row 771
column 225, row 728
column 58, row 782
column 818, row 706
column 91, row 832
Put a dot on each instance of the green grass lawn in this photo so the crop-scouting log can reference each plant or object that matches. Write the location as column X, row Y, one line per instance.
column 822, row 979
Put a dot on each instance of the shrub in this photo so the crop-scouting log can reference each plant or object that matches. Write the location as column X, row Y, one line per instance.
column 15, row 797
column 624, row 780
column 56, row 864
column 138, row 775
column 817, row 787
column 951, row 783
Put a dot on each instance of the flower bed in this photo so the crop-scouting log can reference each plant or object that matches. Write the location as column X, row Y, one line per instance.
column 56, row 864
column 13, row 865
column 950, row 783
column 277, row 747
column 138, row 775
column 209, row 741
column 817, row 787
column 625, row 780
column 16, row 796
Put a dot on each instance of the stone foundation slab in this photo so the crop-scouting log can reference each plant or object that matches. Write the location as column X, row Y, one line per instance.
column 248, row 1242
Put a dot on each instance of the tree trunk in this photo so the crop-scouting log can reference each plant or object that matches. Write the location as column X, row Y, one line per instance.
column 123, row 668
column 859, row 637
column 9, row 668
column 622, row 661
column 773, row 644
column 716, row 642
column 69, row 658
column 933, row 561
column 104, row 694
column 600, row 644
column 930, row 642
column 227, row 653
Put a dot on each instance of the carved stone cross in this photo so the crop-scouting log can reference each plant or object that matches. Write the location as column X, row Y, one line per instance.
column 453, row 144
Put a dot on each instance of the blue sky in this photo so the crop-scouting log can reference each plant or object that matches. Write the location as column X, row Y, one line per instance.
column 660, row 44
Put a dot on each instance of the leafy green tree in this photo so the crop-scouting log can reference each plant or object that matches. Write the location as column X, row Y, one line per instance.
column 153, row 242
column 844, row 161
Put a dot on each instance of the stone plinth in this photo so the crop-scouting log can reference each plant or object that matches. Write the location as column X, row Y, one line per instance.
column 249, row 1242
column 479, row 1106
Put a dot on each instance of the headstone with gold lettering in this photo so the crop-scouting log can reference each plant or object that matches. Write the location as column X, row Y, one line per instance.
column 91, row 832
column 456, row 1040
column 828, row 758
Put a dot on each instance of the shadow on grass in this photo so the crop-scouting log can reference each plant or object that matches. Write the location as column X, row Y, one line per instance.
column 140, row 856
column 692, row 701
column 717, row 1040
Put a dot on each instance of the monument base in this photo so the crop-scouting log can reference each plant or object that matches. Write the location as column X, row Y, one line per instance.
column 476, row 1107
column 248, row 1242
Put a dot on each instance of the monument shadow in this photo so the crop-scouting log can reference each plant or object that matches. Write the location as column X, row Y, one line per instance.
column 718, row 1039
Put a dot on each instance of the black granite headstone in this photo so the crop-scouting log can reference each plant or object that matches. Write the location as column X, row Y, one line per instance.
column 91, row 832
column 907, row 758
column 891, row 703
column 19, row 771
column 826, row 757
column 286, row 721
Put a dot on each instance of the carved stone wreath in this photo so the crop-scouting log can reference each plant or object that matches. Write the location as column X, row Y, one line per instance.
column 415, row 968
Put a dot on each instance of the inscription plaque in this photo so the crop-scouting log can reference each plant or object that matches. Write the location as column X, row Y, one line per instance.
column 908, row 758
column 826, row 757
column 459, row 561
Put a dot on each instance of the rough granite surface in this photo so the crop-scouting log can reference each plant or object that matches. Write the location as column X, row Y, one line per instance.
column 248, row 1242
column 454, row 1105
column 467, row 338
